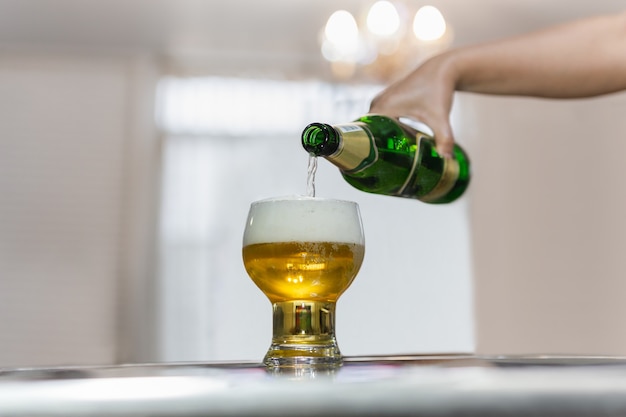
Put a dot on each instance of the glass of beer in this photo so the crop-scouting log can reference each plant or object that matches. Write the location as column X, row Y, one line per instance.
column 303, row 253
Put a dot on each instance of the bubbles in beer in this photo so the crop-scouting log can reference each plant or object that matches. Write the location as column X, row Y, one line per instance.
column 310, row 179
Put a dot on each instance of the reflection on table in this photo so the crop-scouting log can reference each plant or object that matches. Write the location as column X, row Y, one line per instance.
column 433, row 385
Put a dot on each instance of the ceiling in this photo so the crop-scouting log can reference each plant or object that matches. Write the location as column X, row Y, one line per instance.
column 251, row 32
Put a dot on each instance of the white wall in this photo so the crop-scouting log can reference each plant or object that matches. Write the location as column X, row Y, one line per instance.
column 547, row 217
column 543, row 241
column 541, row 231
column 69, row 124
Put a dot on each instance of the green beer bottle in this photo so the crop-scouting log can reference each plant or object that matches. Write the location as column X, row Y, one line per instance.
column 380, row 155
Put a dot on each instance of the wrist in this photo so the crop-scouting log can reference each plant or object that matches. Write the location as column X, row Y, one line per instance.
column 449, row 68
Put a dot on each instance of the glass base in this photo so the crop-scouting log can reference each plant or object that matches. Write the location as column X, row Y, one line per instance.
column 290, row 355
column 304, row 336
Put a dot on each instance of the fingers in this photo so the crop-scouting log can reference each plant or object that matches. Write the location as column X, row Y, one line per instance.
column 398, row 104
column 444, row 139
column 441, row 129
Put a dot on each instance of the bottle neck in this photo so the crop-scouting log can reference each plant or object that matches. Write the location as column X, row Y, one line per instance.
column 320, row 139
column 348, row 146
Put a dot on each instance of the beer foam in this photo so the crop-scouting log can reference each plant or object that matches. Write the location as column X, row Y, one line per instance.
column 303, row 219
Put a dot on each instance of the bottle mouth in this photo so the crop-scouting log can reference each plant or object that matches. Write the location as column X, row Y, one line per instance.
column 317, row 139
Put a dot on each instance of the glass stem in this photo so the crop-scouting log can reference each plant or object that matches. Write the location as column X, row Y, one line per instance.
column 304, row 320
column 304, row 333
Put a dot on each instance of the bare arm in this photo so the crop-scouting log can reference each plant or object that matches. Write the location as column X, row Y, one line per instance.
column 583, row 58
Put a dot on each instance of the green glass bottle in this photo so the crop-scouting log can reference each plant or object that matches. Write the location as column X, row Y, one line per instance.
column 377, row 154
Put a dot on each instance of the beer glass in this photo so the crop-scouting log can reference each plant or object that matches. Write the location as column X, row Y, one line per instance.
column 303, row 253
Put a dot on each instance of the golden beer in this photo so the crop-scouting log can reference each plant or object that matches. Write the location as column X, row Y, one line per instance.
column 303, row 253
column 314, row 271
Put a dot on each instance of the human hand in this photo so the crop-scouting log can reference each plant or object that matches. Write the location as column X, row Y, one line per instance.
column 424, row 95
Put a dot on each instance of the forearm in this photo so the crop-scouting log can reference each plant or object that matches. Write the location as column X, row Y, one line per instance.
column 584, row 58
column 579, row 59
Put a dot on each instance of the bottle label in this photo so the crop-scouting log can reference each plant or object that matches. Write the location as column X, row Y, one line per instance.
column 360, row 154
column 449, row 174
column 446, row 183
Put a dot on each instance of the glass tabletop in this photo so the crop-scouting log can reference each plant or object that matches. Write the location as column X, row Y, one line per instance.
column 425, row 385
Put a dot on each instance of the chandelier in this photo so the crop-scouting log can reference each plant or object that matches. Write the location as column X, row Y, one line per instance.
column 384, row 42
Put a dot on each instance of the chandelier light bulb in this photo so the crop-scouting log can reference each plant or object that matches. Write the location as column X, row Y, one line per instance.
column 383, row 18
column 429, row 24
column 341, row 29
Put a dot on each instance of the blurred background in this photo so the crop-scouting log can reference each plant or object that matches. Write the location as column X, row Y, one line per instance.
column 134, row 134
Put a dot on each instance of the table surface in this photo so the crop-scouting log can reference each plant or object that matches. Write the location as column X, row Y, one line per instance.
column 420, row 385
